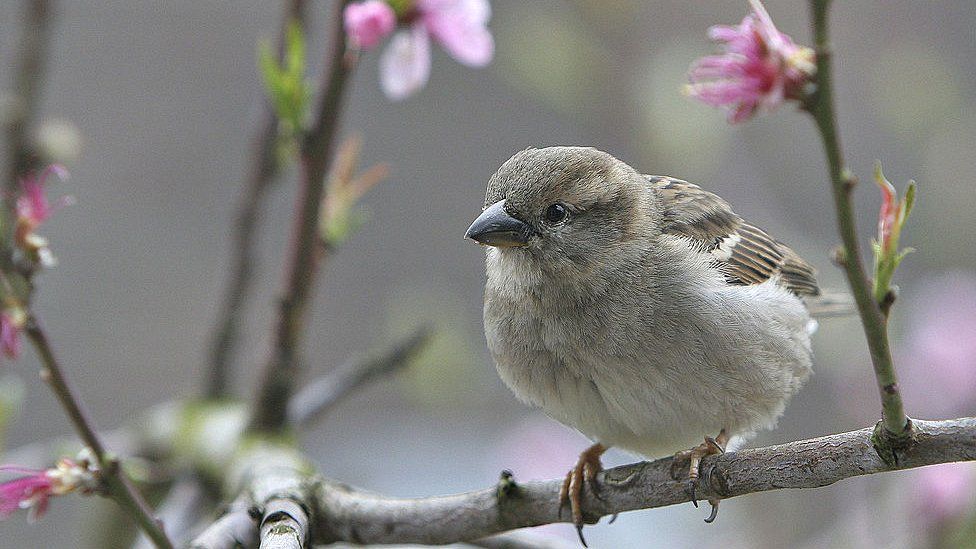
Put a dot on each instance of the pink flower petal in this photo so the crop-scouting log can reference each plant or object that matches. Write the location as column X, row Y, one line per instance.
column 32, row 491
column 56, row 169
column 9, row 344
column 367, row 23
column 459, row 26
column 405, row 64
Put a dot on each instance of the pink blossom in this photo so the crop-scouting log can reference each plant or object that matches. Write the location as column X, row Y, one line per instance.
column 32, row 205
column 367, row 23
column 29, row 492
column 459, row 26
column 33, row 491
column 759, row 68
column 405, row 65
column 11, row 322
column 33, row 209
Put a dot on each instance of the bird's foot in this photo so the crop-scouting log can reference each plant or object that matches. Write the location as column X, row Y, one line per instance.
column 694, row 456
column 584, row 472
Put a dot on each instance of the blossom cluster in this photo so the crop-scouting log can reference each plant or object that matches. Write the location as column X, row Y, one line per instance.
column 32, row 209
column 459, row 26
column 759, row 68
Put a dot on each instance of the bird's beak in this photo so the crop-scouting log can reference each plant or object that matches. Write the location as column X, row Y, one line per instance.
column 494, row 227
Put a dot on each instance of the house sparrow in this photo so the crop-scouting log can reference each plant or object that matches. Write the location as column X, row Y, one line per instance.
column 637, row 309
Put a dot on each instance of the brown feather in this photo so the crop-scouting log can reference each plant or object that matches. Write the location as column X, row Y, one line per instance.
column 743, row 252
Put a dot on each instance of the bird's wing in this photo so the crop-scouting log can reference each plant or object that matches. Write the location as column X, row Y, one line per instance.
column 743, row 252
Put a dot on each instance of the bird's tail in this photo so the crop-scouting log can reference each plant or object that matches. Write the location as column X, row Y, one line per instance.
column 831, row 304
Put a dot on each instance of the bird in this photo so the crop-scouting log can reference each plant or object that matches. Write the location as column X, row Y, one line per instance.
column 640, row 310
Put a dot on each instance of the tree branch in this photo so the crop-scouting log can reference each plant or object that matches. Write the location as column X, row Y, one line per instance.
column 281, row 371
column 259, row 178
column 348, row 514
column 117, row 484
column 179, row 511
column 237, row 528
column 321, row 395
column 284, row 526
column 896, row 427
column 31, row 60
column 340, row 512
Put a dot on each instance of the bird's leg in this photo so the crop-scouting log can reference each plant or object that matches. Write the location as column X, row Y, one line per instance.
column 584, row 472
column 711, row 446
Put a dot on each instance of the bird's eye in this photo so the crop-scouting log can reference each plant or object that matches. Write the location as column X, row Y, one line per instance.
column 556, row 213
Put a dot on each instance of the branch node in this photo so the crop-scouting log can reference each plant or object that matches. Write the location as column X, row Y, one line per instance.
column 507, row 487
column 848, row 179
column 888, row 300
column 891, row 446
column 838, row 256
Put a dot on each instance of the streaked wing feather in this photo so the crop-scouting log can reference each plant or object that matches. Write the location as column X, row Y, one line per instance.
column 743, row 252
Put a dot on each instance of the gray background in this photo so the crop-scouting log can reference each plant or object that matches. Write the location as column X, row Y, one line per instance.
column 165, row 96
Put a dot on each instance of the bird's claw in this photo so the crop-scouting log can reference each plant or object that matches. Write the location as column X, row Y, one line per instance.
column 694, row 456
column 690, row 489
column 711, row 516
column 584, row 473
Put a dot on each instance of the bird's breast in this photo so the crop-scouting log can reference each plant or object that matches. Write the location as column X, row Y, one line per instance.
column 644, row 377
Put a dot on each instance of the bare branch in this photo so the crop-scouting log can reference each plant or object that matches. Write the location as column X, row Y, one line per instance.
column 31, row 59
column 117, row 484
column 284, row 525
column 237, row 528
column 895, row 433
column 178, row 512
column 271, row 471
column 281, row 371
column 320, row 395
column 258, row 180
column 348, row 514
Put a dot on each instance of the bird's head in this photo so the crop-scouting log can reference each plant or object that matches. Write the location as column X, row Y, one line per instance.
column 567, row 207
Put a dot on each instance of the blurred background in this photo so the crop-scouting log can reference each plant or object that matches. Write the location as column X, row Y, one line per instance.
column 154, row 105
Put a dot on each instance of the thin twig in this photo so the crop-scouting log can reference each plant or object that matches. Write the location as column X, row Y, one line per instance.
column 319, row 396
column 281, row 371
column 26, row 96
column 30, row 64
column 259, row 178
column 179, row 511
column 117, row 484
column 821, row 106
